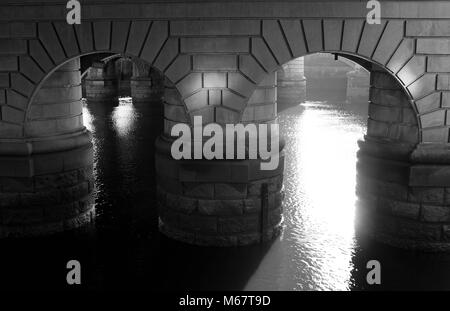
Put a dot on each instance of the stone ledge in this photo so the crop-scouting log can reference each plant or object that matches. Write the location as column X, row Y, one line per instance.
column 59, row 143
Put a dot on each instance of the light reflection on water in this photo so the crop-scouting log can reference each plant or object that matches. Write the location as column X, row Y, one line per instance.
column 316, row 248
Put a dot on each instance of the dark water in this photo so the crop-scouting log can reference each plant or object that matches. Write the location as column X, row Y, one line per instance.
column 318, row 250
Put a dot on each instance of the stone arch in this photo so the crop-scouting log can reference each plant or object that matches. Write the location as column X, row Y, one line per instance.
column 382, row 45
column 58, row 43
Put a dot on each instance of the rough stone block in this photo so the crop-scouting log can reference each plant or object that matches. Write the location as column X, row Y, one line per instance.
column 238, row 224
column 432, row 119
column 232, row 100
column 215, row 97
column 385, row 113
column 48, row 38
column 332, row 32
column 433, row 46
column 275, row 39
column 84, row 34
column 8, row 130
column 197, row 101
column 240, row 84
column 417, row 231
column 102, row 35
column 179, row 68
column 443, row 82
column 432, row 213
column 377, row 129
column 403, row 209
column 21, row 84
column 293, row 31
column 426, row 195
column 119, row 35
column 438, row 64
column 4, row 83
column 175, row 113
column 263, row 55
column 215, row 28
column 215, row 45
column 17, row 186
column 423, row 86
column 221, row 207
column 168, row 53
column 404, row 52
column 435, row 135
column 8, row 63
column 66, row 34
column 215, row 80
column 203, row 224
column 430, row 176
column 21, row 29
column 190, row 84
column 12, row 115
column 313, row 34
column 199, row 190
column 250, row 68
column 138, row 32
column 214, row 62
column 30, row 69
column 370, row 38
column 15, row 167
column 412, row 70
column 392, row 36
column 206, row 113
column 224, row 115
column 352, row 31
column 181, row 204
column 13, row 46
column 428, row 28
column 16, row 100
column 429, row 103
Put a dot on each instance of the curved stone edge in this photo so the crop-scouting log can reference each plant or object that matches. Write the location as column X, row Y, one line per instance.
column 220, row 241
column 48, row 228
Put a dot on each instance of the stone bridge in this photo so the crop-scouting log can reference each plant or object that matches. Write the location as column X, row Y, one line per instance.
column 219, row 60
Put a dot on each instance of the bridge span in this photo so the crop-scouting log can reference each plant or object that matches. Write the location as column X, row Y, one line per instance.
column 219, row 61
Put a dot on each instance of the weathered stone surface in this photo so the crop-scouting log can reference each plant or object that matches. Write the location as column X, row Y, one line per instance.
column 426, row 195
column 433, row 213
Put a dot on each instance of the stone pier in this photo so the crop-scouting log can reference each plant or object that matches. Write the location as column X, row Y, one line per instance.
column 402, row 185
column 46, row 176
column 291, row 84
column 219, row 202
column 358, row 84
column 101, row 83
column 147, row 85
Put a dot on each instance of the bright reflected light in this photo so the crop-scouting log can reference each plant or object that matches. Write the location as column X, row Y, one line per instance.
column 316, row 249
column 124, row 117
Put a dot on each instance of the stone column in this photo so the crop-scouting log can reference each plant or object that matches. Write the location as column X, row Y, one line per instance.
column 358, row 84
column 326, row 77
column 46, row 177
column 402, row 185
column 101, row 83
column 124, row 72
column 219, row 202
column 291, row 84
column 147, row 85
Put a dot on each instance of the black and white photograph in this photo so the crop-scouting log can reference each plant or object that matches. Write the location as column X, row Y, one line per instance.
column 224, row 152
